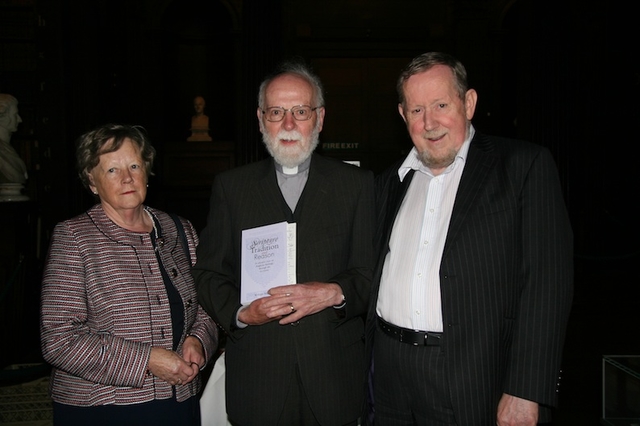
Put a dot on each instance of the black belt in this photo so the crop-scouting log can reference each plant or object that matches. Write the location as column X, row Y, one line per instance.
column 413, row 337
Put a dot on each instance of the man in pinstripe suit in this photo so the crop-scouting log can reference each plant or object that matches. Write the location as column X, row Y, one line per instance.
column 473, row 287
column 295, row 357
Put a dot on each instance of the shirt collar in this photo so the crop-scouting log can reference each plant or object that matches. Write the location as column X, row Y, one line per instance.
column 411, row 162
column 286, row 171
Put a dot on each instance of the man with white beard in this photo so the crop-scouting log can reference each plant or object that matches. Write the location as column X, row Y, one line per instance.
column 294, row 357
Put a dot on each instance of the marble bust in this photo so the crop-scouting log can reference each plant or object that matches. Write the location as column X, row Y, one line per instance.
column 12, row 168
column 199, row 121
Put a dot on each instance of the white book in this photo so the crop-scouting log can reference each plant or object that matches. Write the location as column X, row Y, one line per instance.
column 268, row 259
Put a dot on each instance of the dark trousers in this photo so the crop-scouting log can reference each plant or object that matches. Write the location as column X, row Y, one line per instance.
column 165, row 412
column 409, row 384
column 297, row 410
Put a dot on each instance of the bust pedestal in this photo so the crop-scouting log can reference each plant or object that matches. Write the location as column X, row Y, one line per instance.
column 199, row 135
column 12, row 192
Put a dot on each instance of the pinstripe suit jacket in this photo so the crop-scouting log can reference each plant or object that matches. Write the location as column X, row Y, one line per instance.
column 104, row 305
column 334, row 222
column 506, row 276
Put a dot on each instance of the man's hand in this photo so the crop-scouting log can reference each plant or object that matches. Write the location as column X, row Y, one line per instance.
column 290, row 303
column 293, row 302
column 514, row 411
column 260, row 311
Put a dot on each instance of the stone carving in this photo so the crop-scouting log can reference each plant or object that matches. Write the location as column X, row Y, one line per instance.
column 13, row 171
column 199, row 121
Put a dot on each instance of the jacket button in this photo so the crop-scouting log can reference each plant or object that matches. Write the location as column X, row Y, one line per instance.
column 174, row 273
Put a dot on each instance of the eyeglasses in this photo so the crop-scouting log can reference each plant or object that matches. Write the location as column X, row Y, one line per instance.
column 299, row 112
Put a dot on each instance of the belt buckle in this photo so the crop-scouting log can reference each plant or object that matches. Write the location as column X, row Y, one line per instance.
column 410, row 338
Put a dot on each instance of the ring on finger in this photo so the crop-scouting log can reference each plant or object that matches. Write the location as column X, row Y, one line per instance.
column 292, row 308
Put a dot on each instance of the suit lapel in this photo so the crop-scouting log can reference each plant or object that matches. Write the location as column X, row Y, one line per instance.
column 267, row 194
column 476, row 171
column 392, row 193
column 396, row 196
column 269, row 205
column 318, row 186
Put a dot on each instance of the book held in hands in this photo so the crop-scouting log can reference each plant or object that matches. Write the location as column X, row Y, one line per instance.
column 268, row 259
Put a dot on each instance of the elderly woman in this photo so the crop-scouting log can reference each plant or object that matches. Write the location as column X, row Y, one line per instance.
column 120, row 321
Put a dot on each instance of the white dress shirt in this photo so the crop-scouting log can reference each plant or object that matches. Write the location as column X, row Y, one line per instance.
column 409, row 293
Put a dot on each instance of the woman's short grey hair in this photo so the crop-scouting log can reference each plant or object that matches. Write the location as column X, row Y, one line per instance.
column 300, row 69
column 425, row 62
column 109, row 138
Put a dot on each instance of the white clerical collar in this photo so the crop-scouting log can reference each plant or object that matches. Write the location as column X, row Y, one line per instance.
column 292, row 171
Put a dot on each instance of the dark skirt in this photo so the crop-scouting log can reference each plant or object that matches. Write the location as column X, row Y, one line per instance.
column 159, row 412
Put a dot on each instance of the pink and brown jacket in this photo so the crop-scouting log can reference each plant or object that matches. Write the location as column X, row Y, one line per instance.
column 104, row 305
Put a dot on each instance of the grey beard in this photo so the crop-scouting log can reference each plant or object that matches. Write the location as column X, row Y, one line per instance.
column 437, row 162
column 285, row 158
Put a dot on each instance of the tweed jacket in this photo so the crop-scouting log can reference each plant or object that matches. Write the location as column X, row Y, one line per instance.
column 506, row 276
column 104, row 305
column 334, row 225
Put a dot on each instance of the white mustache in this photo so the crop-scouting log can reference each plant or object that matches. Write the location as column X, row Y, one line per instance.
column 289, row 135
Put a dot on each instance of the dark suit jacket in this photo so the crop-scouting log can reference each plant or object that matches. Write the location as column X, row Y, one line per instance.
column 334, row 220
column 506, row 276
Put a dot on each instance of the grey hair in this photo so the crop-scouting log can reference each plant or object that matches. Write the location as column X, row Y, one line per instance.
column 297, row 68
column 428, row 60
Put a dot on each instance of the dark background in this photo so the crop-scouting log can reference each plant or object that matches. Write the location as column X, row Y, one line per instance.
column 563, row 74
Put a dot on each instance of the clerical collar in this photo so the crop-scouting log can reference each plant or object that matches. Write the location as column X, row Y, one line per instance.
column 292, row 171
